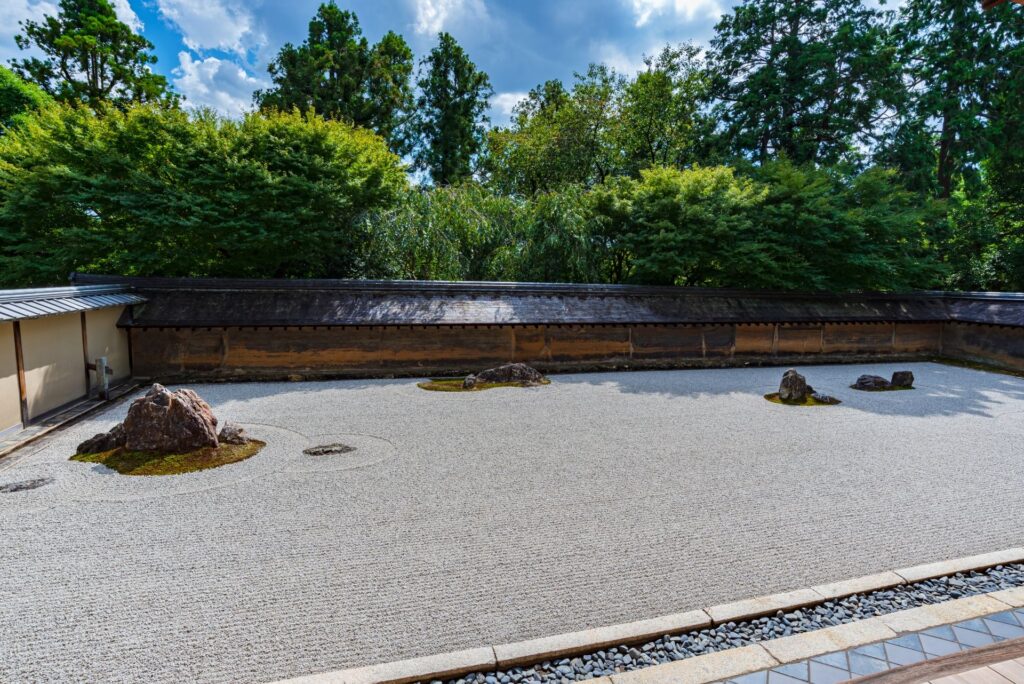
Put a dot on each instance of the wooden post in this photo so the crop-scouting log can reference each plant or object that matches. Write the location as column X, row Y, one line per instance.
column 19, row 359
column 85, row 354
column 131, row 354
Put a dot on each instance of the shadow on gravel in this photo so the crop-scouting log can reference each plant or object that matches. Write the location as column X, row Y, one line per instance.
column 939, row 390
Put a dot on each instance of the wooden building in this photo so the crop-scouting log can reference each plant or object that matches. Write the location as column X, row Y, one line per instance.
column 48, row 337
column 231, row 328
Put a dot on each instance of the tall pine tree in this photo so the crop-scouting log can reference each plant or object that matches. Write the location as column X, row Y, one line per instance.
column 958, row 60
column 339, row 75
column 90, row 57
column 450, row 112
column 809, row 80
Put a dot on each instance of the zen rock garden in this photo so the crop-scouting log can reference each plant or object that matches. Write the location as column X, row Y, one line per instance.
column 167, row 433
column 507, row 375
column 794, row 390
column 376, row 488
column 901, row 380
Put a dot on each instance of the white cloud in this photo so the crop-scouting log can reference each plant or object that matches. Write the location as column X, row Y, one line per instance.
column 434, row 16
column 213, row 24
column 502, row 105
column 645, row 10
column 216, row 83
column 14, row 11
column 616, row 58
column 126, row 14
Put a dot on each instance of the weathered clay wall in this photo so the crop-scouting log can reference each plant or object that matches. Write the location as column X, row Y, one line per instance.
column 992, row 344
column 54, row 361
column 10, row 394
column 424, row 350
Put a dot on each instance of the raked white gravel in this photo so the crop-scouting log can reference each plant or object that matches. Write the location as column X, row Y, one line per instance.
column 462, row 520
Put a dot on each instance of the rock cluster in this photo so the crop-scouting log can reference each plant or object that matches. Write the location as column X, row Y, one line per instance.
column 794, row 387
column 170, row 422
column 166, row 422
column 510, row 372
column 874, row 383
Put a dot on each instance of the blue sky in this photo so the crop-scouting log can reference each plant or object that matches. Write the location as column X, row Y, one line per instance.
column 216, row 51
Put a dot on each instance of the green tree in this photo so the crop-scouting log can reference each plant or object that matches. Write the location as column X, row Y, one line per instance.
column 559, row 243
column 18, row 98
column 784, row 227
column 453, row 232
column 955, row 55
column 558, row 137
column 90, row 57
column 827, row 229
column 660, row 122
column 809, row 80
column 156, row 191
column 339, row 75
column 450, row 113
column 693, row 227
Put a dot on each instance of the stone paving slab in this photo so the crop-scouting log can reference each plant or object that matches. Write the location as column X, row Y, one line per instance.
column 937, row 643
column 496, row 517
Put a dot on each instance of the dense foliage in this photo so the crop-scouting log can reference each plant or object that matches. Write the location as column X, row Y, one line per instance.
column 821, row 145
column 155, row 190
column 18, row 99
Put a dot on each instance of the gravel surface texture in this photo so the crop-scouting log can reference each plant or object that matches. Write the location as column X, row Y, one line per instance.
column 467, row 519
column 672, row 647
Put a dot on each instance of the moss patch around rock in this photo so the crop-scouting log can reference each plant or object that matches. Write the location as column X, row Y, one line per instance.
column 890, row 388
column 808, row 401
column 149, row 463
column 455, row 385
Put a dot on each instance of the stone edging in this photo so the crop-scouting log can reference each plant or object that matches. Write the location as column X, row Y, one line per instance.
column 721, row 664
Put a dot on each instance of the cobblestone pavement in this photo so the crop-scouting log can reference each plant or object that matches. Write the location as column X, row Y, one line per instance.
column 466, row 519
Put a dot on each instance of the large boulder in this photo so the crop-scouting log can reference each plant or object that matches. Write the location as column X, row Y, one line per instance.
column 903, row 379
column 871, row 383
column 510, row 372
column 170, row 422
column 105, row 441
column 793, row 387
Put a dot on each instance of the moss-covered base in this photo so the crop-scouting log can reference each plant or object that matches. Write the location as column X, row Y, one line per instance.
column 808, row 401
column 890, row 388
column 455, row 385
column 149, row 463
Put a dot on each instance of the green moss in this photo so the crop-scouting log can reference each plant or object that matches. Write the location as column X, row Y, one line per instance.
column 808, row 401
column 150, row 463
column 890, row 388
column 455, row 385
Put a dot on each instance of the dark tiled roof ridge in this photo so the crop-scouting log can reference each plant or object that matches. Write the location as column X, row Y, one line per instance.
column 428, row 287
